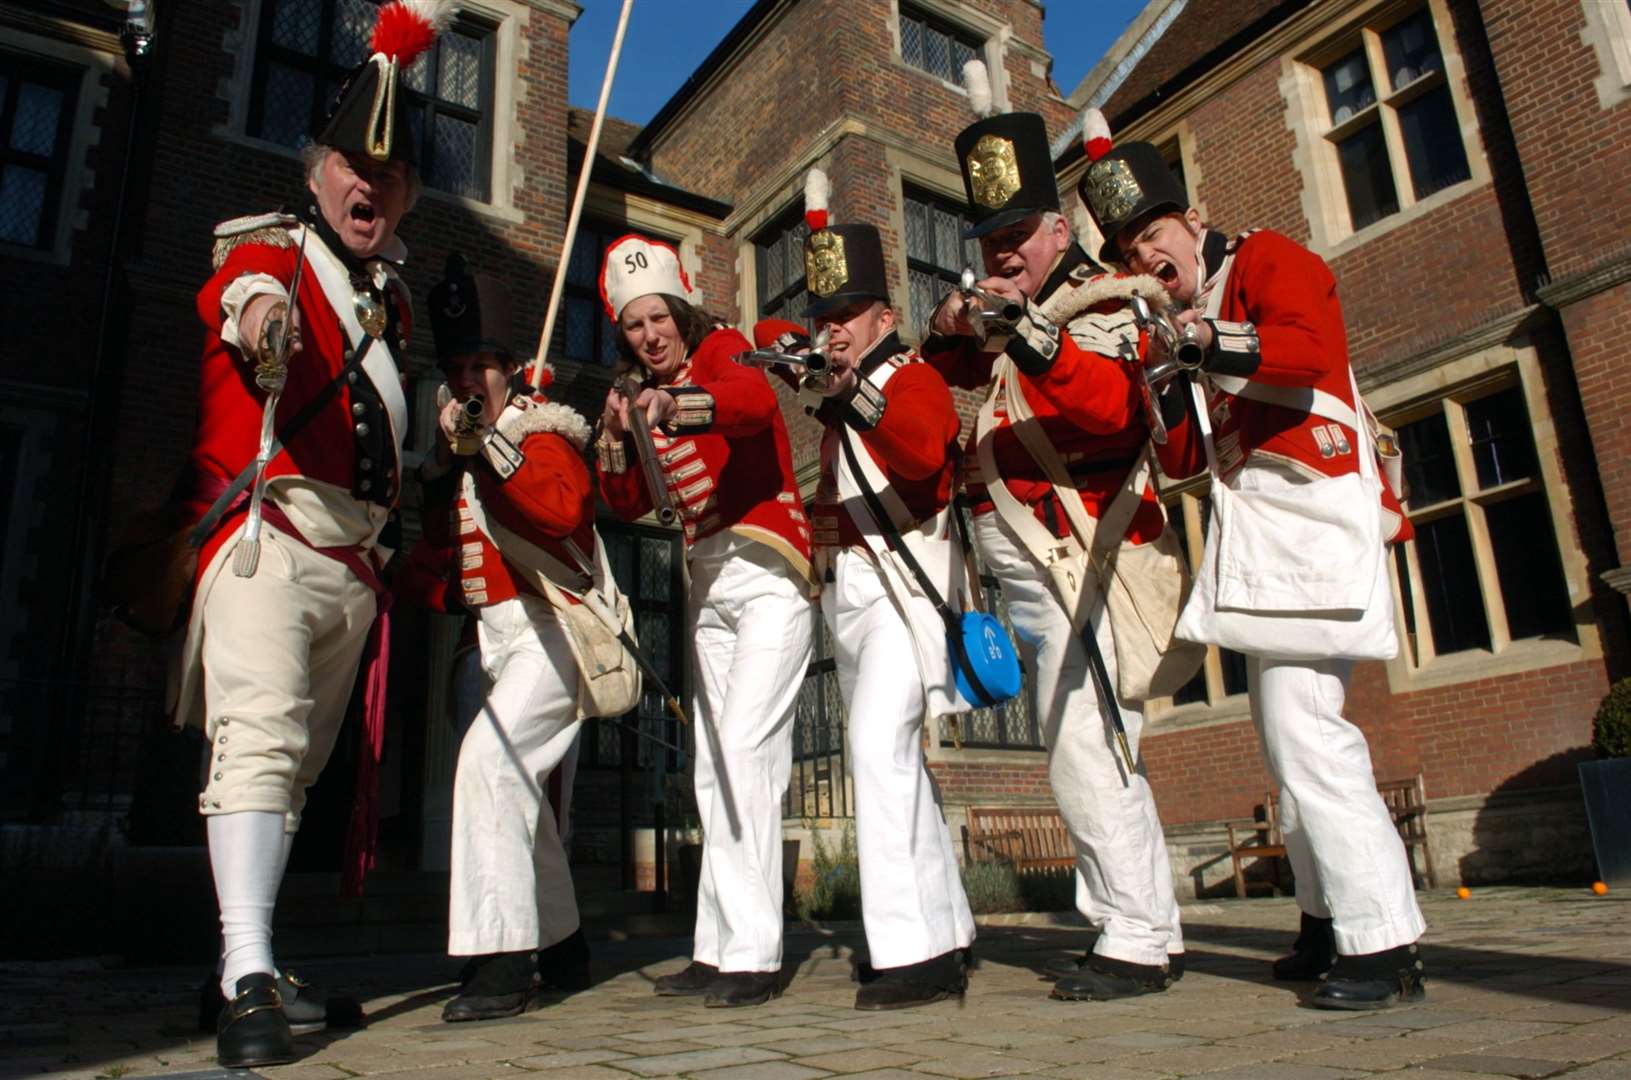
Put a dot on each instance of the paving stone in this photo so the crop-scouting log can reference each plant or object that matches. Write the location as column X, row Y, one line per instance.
column 568, row 1059
column 1500, row 1066
column 1280, row 1071
column 820, row 1044
column 760, row 1036
column 691, row 1061
column 1493, row 1032
column 301, row 1072
column 968, row 1065
column 860, row 1059
column 765, row 1070
column 1586, row 1042
column 1148, row 1040
column 1011, row 1040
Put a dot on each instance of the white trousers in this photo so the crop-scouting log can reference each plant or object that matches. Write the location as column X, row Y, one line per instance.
column 511, row 886
column 1121, row 851
column 752, row 632
column 912, row 901
column 279, row 653
column 1349, row 862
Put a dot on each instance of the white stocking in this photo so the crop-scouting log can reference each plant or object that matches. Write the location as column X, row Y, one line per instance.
column 247, row 850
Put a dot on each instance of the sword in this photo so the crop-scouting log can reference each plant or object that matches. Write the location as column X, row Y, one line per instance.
column 246, row 556
column 597, row 606
column 1107, row 692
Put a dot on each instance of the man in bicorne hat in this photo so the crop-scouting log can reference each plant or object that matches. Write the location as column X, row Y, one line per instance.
column 509, row 493
column 1280, row 395
column 287, row 589
column 890, row 415
column 1058, row 362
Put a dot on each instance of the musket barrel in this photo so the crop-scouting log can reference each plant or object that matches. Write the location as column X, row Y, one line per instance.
column 662, row 503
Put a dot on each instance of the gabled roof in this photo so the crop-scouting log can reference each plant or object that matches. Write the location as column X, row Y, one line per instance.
column 615, row 168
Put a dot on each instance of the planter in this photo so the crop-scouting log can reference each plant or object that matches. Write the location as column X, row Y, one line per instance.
column 1606, row 785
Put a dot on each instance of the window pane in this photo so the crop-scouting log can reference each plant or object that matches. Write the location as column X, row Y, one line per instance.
column 1526, row 560
column 922, row 289
column 919, row 240
column 1455, row 607
column 579, row 343
column 22, row 204
column 1367, row 176
column 420, row 74
column 1410, row 49
column 460, row 75
column 948, row 239
column 455, row 158
column 286, row 105
column 1348, row 86
column 960, row 54
column 1432, row 142
column 1234, row 671
column 353, row 23
column 34, row 131
column 1502, row 445
column 1429, row 467
column 936, row 53
column 911, row 41
column 772, row 267
column 295, row 25
column 583, row 266
column 1175, row 164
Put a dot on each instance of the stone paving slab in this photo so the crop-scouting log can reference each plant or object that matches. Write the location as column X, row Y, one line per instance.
column 1522, row 983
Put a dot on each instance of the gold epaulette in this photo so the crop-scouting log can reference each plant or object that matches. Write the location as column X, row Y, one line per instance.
column 269, row 229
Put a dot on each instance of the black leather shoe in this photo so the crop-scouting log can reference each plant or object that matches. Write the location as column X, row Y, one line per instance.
column 1373, row 980
column 693, row 980
column 252, row 1030
column 499, row 985
column 1060, row 966
column 935, row 979
column 1311, row 954
column 564, row 966
column 305, row 1007
column 1175, row 967
column 1104, row 979
column 730, row 989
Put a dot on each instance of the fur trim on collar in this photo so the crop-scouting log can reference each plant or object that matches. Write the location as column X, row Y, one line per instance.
column 533, row 416
column 1065, row 304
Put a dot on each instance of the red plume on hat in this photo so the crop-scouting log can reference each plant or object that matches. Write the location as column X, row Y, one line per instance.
column 817, row 194
column 406, row 28
column 1095, row 134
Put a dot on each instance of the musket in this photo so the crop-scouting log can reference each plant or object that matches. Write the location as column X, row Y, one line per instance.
column 987, row 310
column 656, row 482
column 1183, row 353
column 467, row 426
column 797, row 364
column 269, row 376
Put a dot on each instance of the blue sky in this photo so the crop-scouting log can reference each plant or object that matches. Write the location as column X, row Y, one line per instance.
column 667, row 39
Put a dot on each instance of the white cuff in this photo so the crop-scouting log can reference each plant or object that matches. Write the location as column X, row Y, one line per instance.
column 237, row 296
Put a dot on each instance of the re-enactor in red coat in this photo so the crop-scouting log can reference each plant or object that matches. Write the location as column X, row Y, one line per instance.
column 508, row 493
column 280, row 620
column 1277, row 382
column 1061, row 361
column 728, row 468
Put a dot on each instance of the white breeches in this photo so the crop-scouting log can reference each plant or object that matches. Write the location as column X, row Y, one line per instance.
column 511, row 887
column 1121, row 852
column 279, row 654
column 752, row 626
column 1346, row 854
column 912, row 900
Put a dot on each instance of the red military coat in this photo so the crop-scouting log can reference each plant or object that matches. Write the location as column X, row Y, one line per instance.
column 1086, row 403
column 549, row 499
column 913, row 442
column 728, row 462
column 1288, row 296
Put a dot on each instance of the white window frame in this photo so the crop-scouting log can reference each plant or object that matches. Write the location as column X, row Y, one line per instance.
column 992, row 33
column 1469, row 378
column 509, row 18
column 78, row 177
column 1608, row 32
column 1324, row 197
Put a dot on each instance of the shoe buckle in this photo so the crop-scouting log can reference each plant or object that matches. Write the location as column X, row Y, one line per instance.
column 239, row 1011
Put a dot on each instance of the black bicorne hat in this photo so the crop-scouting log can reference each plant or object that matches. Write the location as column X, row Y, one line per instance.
column 1123, row 183
column 842, row 263
column 469, row 313
column 370, row 115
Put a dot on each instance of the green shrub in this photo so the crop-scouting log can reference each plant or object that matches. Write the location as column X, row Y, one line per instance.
column 1611, row 728
column 835, row 889
column 992, row 887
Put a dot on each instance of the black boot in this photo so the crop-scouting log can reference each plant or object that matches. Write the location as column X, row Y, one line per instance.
column 693, row 980
column 730, row 989
column 1373, row 980
column 252, row 1030
column 1104, row 979
column 934, row 979
column 499, row 984
column 564, row 966
column 1060, row 966
column 1311, row 954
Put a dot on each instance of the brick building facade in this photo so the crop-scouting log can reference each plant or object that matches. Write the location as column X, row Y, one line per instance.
column 1459, row 165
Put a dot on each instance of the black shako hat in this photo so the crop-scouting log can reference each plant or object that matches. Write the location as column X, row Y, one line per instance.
column 469, row 313
column 842, row 263
column 370, row 114
column 1007, row 170
column 1123, row 183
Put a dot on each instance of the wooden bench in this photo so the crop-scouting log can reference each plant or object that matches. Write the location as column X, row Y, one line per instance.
column 1405, row 799
column 1028, row 838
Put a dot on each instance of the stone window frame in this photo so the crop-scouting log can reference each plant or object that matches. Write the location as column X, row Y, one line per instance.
column 78, row 175
column 1468, row 378
column 1608, row 31
column 992, row 32
column 788, row 221
column 511, row 48
column 1324, row 196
